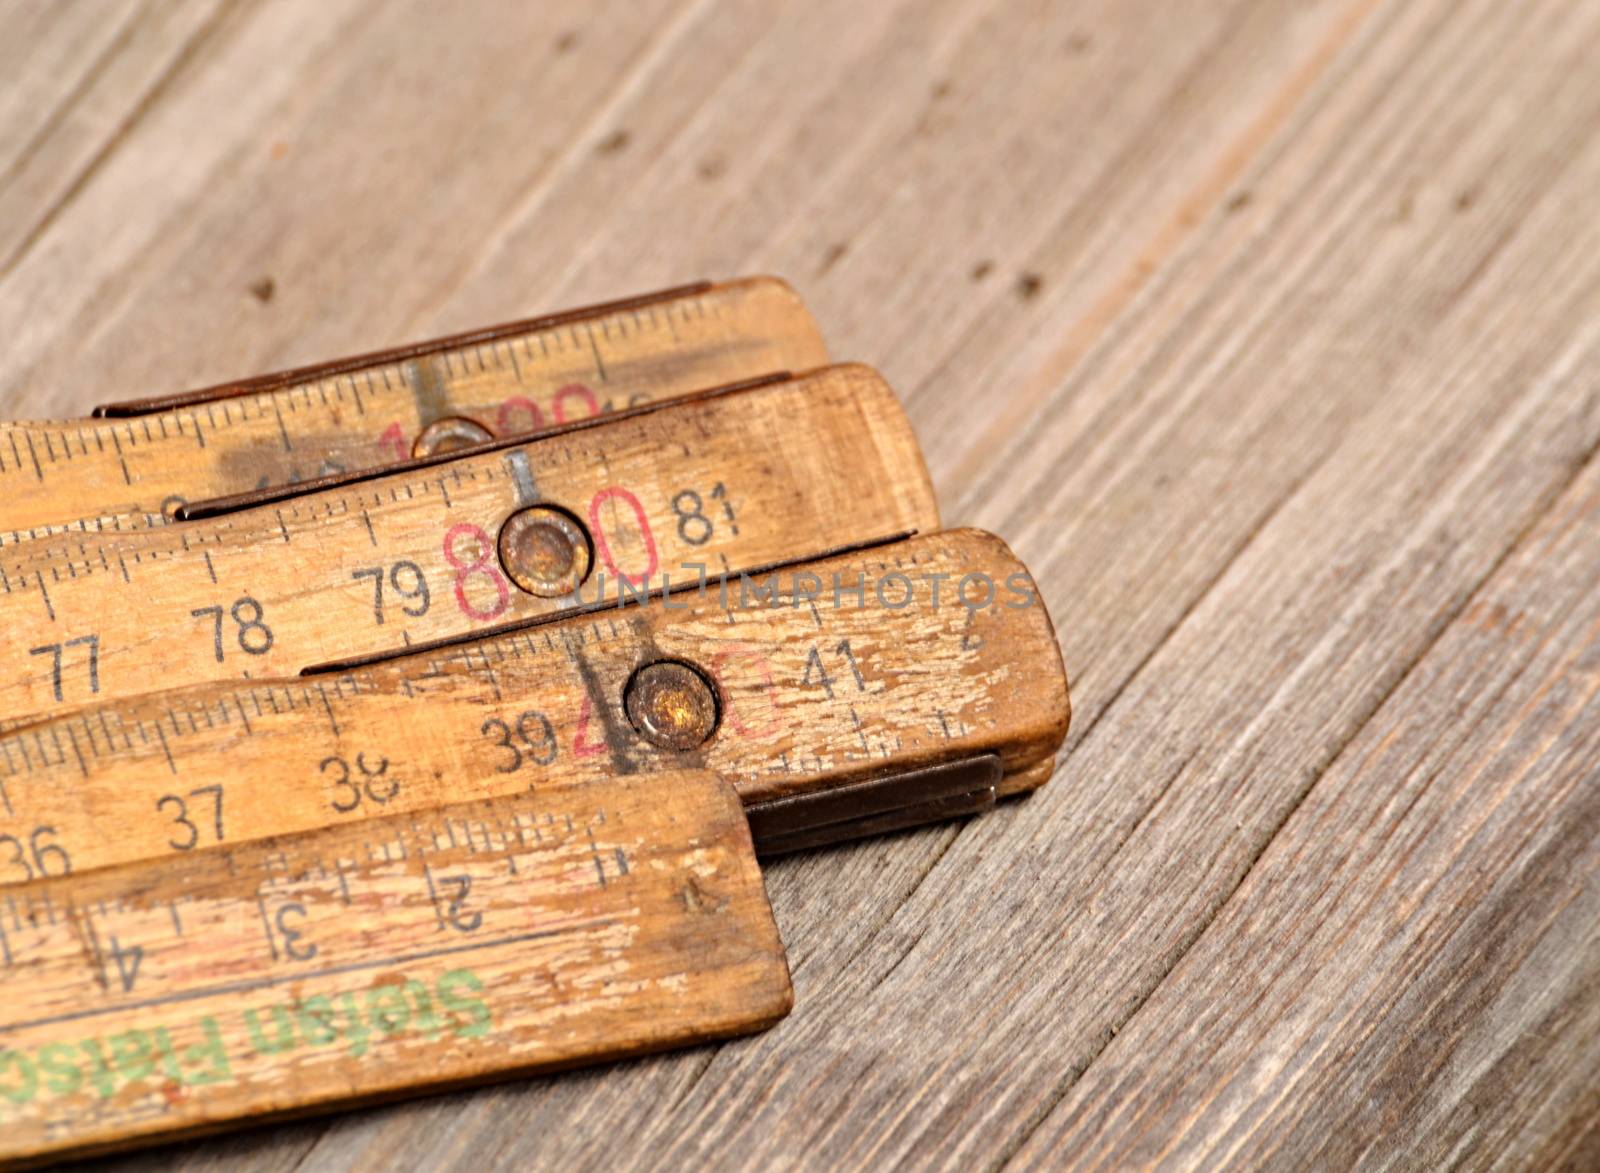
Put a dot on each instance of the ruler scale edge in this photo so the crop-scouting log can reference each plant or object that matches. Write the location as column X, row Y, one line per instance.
column 661, row 713
column 129, row 469
column 313, row 372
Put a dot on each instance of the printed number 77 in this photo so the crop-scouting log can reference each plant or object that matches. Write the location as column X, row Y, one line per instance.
column 54, row 652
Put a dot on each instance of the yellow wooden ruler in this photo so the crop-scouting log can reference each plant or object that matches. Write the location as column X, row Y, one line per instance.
column 149, row 456
column 321, row 783
column 875, row 689
column 454, row 945
column 457, row 543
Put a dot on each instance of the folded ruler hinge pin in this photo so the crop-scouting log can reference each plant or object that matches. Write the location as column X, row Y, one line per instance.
column 893, row 802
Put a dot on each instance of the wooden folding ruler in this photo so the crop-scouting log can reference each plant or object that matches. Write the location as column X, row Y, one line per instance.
column 144, row 458
column 317, row 784
column 497, row 937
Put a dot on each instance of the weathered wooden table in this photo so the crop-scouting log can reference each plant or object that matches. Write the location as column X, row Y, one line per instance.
column 1268, row 332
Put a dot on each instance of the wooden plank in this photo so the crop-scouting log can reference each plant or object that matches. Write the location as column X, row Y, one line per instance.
column 79, row 77
column 52, row 53
column 1136, row 116
column 75, row 253
column 52, row 49
column 1410, row 974
column 821, row 156
column 1220, row 264
column 301, row 204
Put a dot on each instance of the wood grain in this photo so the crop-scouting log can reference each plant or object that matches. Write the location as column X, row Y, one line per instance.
column 393, row 955
column 1264, row 330
column 679, row 490
column 79, row 77
column 1410, row 973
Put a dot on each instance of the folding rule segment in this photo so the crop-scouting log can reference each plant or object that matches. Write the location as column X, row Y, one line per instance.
column 150, row 456
column 452, row 946
column 878, row 688
column 721, row 482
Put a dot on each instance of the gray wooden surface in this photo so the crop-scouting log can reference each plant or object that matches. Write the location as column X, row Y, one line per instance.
column 1268, row 333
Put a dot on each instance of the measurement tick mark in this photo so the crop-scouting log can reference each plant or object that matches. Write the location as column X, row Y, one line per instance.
column 266, row 925
column 283, row 432
column 165, row 748
column 50, row 610
column 37, row 471
column 332, row 720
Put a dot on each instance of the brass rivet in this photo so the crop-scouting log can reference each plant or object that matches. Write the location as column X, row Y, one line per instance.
column 545, row 551
column 449, row 434
column 671, row 705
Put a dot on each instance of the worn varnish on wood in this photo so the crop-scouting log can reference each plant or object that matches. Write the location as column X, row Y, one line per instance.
column 461, row 944
column 709, row 484
column 842, row 698
column 1492, row 947
column 150, row 456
